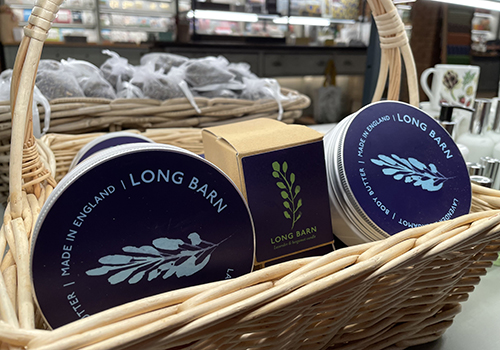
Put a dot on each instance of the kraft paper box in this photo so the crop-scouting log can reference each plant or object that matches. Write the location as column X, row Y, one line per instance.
column 280, row 169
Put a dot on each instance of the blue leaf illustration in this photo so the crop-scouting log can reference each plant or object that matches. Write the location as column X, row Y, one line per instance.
column 429, row 185
column 402, row 160
column 379, row 162
column 387, row 159
column 145, row 249
column 389, row 171
column 115, row 259
column 122, row 275
column 412, row 171
column 167, row 243
column 99, row 271
column 174, row 257
column 137, row 277
column 194, row 238
column 153, row 274
column 189, row 267
column 170, row 272
column 416, row 163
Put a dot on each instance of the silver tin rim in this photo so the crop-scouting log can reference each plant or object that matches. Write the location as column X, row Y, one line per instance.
column 361, row 229
column 103, row 156
column 101, row 138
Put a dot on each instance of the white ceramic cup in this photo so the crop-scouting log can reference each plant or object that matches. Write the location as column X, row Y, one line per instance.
column 452, row 83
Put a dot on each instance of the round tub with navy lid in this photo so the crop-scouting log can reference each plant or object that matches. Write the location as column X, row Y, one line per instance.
column 106, row 141
column 392, row 167
column 134, row 221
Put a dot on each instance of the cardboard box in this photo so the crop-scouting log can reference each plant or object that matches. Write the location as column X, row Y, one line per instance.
column 280, row 169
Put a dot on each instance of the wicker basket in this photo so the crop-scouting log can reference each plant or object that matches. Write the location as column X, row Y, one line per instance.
column 86, row 115
column 389, row 294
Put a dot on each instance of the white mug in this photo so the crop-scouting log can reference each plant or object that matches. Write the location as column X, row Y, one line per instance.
column 452, row 83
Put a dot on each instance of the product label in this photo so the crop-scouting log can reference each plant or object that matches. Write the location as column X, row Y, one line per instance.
column 136, row 225
column 403, row 168
column 288, row 197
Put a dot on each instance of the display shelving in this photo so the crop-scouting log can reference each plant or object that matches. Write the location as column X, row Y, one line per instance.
column 107, row 20
column 136, row 21
column 75, row 18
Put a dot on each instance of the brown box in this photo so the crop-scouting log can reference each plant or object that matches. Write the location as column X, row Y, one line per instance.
column 280, row 169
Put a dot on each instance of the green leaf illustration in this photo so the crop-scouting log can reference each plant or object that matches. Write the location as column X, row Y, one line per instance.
column 468, row 77
column 276, row 166
column 289, row 192
column 297, row 190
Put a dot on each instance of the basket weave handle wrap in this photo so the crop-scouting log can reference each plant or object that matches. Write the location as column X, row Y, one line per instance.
column 23, row 82
column 394, row 44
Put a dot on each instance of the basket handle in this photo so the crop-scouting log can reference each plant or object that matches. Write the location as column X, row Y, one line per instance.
column 23, row 152
column 394, row 44
column 23, row 146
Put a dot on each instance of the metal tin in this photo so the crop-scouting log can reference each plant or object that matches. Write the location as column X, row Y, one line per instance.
column 391, row 167
column 475, row 168
column 133, row 221
column 106, row 141
column 491, row 166
column 481, row 181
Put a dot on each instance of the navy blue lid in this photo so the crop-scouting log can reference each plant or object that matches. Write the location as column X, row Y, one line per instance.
column 107, row 141
column 403, row 168
column 132, row 222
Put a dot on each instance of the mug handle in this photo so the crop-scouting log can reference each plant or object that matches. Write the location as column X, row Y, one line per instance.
column 423, row 81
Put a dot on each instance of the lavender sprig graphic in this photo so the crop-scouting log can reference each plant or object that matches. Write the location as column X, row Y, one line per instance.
column 165, row 257
column 412, row 171
column 289, row 192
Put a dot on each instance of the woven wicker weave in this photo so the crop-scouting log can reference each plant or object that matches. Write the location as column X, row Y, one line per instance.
column 85, row 115
column 81, row 115
column 402, row 291
column 389, row 294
